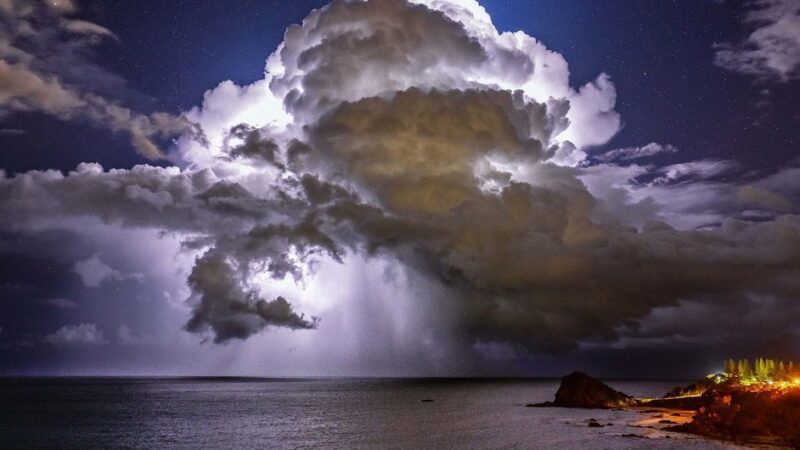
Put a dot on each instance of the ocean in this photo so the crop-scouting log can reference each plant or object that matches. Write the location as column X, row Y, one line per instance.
column 317, row 413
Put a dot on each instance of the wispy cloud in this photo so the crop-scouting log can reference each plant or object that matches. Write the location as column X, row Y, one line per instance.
column 772, row 50
column 633, row 153
column 45, row 67
column 60, row 302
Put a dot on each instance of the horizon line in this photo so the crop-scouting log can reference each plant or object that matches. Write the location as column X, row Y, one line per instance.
column 324, row 377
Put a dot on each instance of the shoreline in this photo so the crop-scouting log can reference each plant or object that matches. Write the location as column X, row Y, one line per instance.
column 667, row 420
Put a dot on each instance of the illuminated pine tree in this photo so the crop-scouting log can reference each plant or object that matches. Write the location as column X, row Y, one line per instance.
column 744, row 369
column 762, row 371
column 730, row 367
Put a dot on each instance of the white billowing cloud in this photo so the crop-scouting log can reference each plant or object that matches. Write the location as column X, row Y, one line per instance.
column 85, row 333
column 468, row 12
column 94, row 272
column 519, row 61
column 772, row 50
column 633, row 153
column 347, row 51
column 592, row 116
column 59, row 81
column 226, row 106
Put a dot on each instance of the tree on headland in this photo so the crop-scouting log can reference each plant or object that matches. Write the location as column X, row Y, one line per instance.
column 730, row 367
column 763, row 370
column 743, row 369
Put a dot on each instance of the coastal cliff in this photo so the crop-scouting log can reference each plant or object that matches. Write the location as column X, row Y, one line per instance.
column 757, row 415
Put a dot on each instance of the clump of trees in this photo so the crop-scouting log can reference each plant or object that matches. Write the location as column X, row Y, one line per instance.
column 762, row 370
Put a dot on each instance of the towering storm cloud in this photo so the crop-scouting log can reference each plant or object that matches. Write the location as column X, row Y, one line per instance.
column 416, row 135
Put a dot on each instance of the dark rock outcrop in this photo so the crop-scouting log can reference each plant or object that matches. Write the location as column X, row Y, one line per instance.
column 592, row 423
column 579, row 390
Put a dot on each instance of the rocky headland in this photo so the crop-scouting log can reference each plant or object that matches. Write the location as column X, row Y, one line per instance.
column 714, row 407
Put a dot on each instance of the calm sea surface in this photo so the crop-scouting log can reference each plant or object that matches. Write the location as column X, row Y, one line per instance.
column 314, row 413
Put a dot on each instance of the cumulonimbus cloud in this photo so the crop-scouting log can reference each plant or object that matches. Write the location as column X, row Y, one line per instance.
column 416, row 132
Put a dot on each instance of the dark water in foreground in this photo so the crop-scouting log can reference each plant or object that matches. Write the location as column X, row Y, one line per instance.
column 316, row 413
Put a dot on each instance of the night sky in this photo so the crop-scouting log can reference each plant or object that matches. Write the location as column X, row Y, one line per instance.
column 405, row 195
